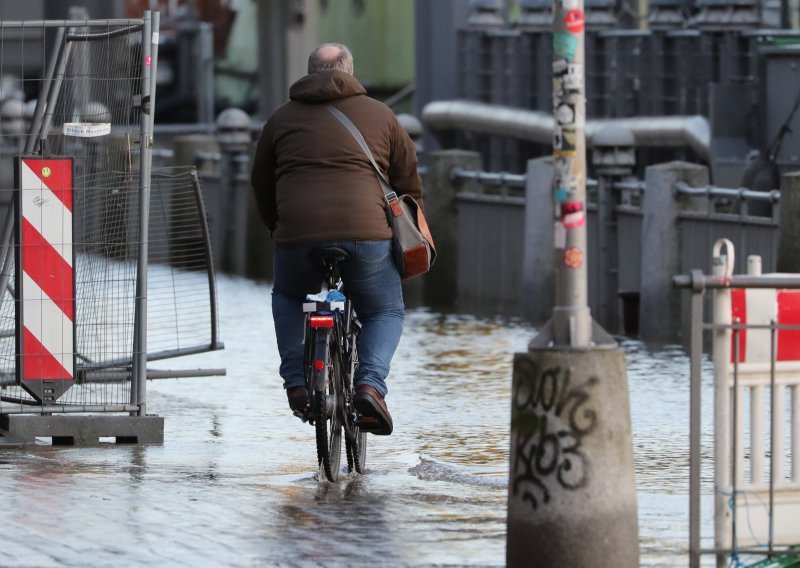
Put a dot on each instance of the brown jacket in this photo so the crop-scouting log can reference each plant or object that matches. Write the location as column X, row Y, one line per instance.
column 311, row 179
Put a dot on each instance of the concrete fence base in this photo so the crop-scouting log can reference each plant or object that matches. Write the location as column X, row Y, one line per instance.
column 571, row 493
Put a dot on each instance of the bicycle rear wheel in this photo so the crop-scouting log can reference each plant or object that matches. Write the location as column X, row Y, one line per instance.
column 325, row 402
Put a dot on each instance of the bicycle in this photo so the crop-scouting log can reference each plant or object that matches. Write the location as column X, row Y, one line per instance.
column 330, row 359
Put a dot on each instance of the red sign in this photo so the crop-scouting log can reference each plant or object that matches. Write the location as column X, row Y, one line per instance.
column 761, row 307
column 574, row 20
column 46, row 285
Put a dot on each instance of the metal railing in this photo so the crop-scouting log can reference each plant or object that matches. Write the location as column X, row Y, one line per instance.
column 731, row 488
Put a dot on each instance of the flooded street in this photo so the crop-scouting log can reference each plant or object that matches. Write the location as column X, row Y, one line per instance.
column 235, row 482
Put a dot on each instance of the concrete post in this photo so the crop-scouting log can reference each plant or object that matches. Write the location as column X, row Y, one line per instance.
column 614, row 158
column 788, row 228
column 233, row 135
column 660, row 313
column 185, row 147
column 571, row 492
column 441, row 283
column 538, row 258
column 260, row 248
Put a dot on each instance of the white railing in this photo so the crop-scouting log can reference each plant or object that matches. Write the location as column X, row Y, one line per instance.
column 756, row 361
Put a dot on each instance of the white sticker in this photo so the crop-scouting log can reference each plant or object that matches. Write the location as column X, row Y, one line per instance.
column 559, row 236
column 565, row 114
column 86, row 129
column 155, row 37
column 573, row 79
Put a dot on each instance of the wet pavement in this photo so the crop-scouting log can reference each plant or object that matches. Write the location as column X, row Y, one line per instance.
column 235, row 482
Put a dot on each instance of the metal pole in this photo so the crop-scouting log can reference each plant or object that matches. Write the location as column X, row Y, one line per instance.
column 149, row 68
column 572, row 322
column 212, row 283
column 55, row 90
column 773, row 438
column 735, row 433
column 38, row 113
column 696, row 354
column 204, row 84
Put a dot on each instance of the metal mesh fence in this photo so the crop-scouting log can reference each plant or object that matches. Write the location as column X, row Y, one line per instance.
column 92, row 75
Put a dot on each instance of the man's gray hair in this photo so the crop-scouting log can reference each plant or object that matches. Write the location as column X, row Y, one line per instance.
column 322, row 60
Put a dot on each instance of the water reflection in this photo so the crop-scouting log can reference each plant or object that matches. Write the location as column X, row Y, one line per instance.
column 235, row 481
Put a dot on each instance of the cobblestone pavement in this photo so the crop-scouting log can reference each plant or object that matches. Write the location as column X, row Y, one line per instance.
column 235, row 484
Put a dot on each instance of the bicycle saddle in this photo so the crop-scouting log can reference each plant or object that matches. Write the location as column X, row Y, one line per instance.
column 334, row 254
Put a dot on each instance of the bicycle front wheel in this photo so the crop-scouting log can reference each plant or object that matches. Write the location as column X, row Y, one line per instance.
column 355, row 439
column 325, row 401
column 356, row 445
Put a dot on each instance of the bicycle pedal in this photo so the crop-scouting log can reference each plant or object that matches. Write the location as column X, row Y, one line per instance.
column 368, row 424
column 304, row 415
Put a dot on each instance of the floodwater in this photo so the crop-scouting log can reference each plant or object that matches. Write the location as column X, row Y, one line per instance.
column 235, row 483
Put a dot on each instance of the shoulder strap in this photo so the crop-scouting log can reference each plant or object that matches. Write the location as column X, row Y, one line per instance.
column 353, row 129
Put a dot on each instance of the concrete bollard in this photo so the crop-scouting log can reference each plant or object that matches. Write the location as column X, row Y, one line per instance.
column 788, row 228
column 441, row 284
column 660, row 313
column 571, row 492
column 538, row 256
column 233, row 135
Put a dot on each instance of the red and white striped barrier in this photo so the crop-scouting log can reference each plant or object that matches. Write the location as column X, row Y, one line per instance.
column 751, row 410
column 763, row 306
column 45, row 281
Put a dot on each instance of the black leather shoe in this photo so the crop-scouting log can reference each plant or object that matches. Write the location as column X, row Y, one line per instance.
column 298, row 398
column 375, row 417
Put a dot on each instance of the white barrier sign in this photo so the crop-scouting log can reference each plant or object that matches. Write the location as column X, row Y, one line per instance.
column 86, row 130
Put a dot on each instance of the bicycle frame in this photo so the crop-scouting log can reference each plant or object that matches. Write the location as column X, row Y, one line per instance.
column 331, row 357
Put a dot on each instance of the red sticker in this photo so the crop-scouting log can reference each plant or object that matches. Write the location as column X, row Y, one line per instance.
column 573, row 257
column 147, row 61
column 572, row 214
column 574, row 220
column 574, row 21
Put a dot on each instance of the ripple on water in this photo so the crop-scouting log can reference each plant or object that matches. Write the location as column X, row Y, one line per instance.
column 431, row 470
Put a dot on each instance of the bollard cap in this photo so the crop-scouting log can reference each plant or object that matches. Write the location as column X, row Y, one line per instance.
column 94, row 112
column 486, row 13
column 11, row 88
column 233, row 129
column 11, row 121
column 12, row 109
column 410, row 124
column 614, row 149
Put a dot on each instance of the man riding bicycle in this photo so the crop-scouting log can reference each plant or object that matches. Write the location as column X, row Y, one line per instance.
column 315, row 187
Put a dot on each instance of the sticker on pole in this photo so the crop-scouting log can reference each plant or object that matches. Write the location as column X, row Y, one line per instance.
column 573, row 257
column 572, row 215
column 564, row 45
column 44, row 280
column 564, row 140
column 574, row 21
column 565, row 114
column 573, row 78
column 87, row 129
column 559, row 236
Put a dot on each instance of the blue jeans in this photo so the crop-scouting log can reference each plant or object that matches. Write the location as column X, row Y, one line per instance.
column 371, row 282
